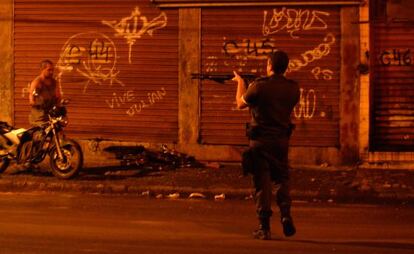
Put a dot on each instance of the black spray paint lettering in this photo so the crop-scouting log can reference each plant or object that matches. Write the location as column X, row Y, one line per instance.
column 99, row 50
column 248, row 47
column 75, row 51
column 396, row 57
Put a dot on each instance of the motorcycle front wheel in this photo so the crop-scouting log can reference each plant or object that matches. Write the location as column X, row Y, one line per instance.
column 4, row 163
column 71, row 163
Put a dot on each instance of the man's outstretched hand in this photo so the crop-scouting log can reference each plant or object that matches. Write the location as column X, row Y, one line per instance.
column 237, row 77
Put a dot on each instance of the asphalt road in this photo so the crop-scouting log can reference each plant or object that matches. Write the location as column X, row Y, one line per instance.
column 60, row 223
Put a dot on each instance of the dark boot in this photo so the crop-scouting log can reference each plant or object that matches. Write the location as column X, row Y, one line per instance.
column 263, row 233
column 287, row 221
column 288, row 226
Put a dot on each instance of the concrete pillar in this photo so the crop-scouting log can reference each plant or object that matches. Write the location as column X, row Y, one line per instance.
column 364, row 118
column 6, row 60
column 349, row 85
column 189, row 62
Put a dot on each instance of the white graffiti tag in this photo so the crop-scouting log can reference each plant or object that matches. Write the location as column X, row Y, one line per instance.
column 153, row 98
column 92, row 56
column 131, row 29
column 325, row 74
column 307, row 105
column 312, row 55
column 293, row 20
column 133, row 102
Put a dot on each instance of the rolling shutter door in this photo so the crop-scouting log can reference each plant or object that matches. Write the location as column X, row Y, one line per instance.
column 115, row 60
column 393, row 87
column 239, row 39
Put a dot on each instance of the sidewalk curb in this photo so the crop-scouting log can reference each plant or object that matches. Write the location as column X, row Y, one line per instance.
column 23, row 184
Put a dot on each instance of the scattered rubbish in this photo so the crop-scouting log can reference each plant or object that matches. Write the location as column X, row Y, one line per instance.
column 365, row 186
column 159, row 196
column 122, row 173
column 196, row 195
column 386, row 185
column 221, row 196
column 354, row 185
column 175, row 195
column 313, row 180
column 214, row 165
column 324, row 165
column 300, row 201
column 330, row 200
column 145, row 193
column 248, row 197
column 142, row 158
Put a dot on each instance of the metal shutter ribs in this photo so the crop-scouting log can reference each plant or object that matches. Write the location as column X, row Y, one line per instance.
column 239, row 39
column 116, row 61
column 393, row 90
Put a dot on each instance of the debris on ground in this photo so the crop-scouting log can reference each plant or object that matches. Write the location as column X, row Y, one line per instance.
column 175, row 195
column 222, row 196
column 214, row 165
column 143, row 158
column 146, row 193
column 248, row 197
column 196, row 195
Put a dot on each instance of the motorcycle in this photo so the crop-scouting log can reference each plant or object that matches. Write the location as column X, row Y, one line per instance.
column 31, row 146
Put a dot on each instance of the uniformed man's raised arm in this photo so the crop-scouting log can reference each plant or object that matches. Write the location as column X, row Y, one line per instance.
column 241, row 90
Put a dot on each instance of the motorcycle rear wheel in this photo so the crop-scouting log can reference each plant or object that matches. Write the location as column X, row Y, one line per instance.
column 72, row 161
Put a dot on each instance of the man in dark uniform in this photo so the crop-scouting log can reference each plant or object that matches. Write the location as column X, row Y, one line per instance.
column 271, row 101
column 43, row 94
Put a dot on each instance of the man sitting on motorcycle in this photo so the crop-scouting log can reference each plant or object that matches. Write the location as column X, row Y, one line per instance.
column 44, row 94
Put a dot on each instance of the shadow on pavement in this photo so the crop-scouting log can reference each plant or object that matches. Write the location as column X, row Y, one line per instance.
column 372, row 244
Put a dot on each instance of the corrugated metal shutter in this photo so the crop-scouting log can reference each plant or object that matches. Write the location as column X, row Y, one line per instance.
column 393, row 87
column 116, row 60
column 239, row 38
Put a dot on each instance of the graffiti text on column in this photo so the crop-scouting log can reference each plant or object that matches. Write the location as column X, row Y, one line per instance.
column 396, row 57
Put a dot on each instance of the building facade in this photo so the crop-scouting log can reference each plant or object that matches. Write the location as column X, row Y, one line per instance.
column 127, row 67
column 387, row 116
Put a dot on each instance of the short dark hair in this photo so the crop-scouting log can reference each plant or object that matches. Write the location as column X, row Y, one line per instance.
column 279, row 61
column 45, row 63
